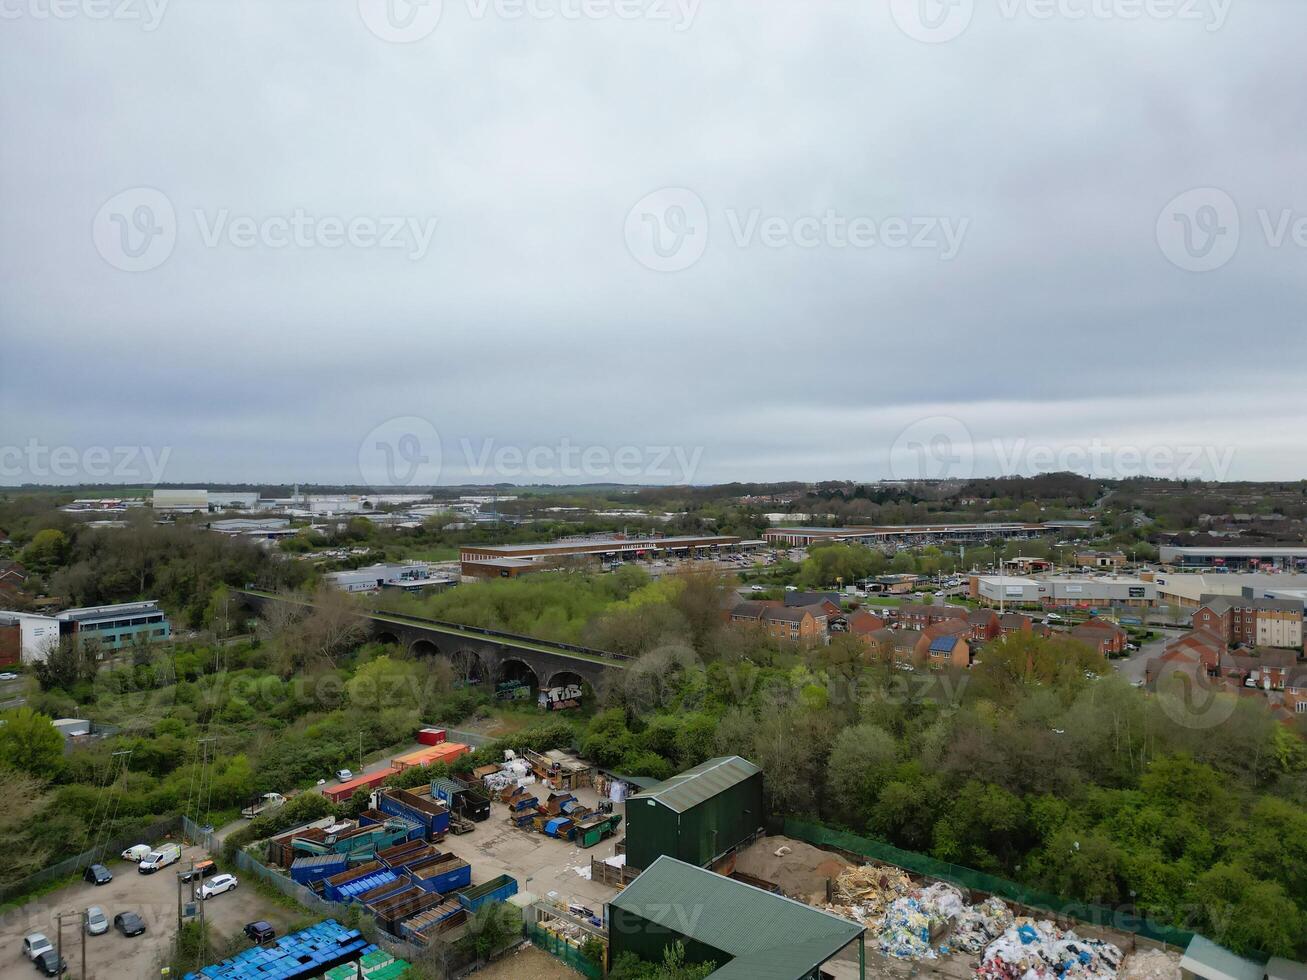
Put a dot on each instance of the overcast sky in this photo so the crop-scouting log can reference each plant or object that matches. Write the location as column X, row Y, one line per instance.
column 651, row 241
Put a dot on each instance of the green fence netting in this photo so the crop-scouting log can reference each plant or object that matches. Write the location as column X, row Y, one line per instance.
column 1124, row 919
column 564, row 951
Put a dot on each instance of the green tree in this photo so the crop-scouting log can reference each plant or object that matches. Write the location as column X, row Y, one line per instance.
column 30, row 742
column 47, row 550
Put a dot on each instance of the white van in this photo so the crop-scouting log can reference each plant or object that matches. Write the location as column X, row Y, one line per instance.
column 160, row 857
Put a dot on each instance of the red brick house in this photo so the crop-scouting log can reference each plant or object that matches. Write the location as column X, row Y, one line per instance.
column 984, row 625
column 934, row 647
column 1010, row 623
column 919, row 616
column 864, row 625
column 1105, row 636
column 1295, row 690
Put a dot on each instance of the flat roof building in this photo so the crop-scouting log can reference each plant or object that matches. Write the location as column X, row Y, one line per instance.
column 902, row 534
column 1220, row 556
column 505, row 560
column 1074, row 590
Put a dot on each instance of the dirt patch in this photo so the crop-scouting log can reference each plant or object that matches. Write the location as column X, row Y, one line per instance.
column 528, row 961
column 802, row 870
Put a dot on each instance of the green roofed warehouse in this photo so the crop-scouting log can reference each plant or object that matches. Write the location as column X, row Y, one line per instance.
column 748, row 933
column 699, row 816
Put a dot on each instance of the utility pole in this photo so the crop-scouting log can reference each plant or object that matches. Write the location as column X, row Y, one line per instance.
column 59, row 940
column 181, row 886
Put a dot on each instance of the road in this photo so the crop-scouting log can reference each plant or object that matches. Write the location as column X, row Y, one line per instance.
column 1132, row 668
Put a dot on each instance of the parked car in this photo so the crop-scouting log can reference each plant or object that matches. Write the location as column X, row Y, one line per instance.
column 344, row 775
column 202, row 869
column 8, row 676
column 136, row 852
column 163, row 856
column 51, row 964
column 260, row 932
column 95, row 922
column 34, row 944
column 98, row 874
column 216, row 886
column 129, row 923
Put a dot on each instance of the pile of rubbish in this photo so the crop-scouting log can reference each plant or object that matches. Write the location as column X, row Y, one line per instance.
column 911, row 923
column 1152, row 964
column 979, row 925
column 865, row 892
column 1030, row 950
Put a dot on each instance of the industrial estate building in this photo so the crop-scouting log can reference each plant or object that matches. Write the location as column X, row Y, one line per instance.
column 698, row 816
column 1082, row 591
column 1219, row 556
column 747, row 933
column 510, row 560
column 406, row 576
column 908, row 534
column 113, row 627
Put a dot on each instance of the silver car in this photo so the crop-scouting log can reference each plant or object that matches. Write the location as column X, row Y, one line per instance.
column 96, row 921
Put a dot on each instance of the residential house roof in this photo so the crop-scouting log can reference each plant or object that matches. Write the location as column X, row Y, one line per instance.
column 943, row 644
column 766, row 936
column 865, row 622
column 811, row 598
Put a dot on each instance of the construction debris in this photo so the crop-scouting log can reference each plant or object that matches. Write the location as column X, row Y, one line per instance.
column 865, row 892
column 1152, row 964
column 979, row 925
column 1030, row 950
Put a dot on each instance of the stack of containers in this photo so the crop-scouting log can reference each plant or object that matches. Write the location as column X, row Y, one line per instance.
column 305, row 953
column 378, row 965
column 315, row 866
column 353, row 889
column 444, row 873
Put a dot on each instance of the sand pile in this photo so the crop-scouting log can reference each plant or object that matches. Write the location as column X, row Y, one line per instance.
column 801, row 869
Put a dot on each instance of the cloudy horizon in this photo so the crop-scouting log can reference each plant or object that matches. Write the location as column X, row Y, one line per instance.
column 651, row 241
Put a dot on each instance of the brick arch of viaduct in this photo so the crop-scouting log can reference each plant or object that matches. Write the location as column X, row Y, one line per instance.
column 548, row 668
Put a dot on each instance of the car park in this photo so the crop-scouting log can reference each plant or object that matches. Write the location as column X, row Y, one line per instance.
column 136, row 852
column 129, row 923
column 202, row 869
column 161, row 857
column 51, row 964
column 260, row 932
column 97, row 874
column 35, row 944
column 216, row 886
column 94, row 921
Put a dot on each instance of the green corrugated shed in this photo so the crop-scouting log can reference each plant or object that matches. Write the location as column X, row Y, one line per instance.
column 750, row 934
column 696, row 816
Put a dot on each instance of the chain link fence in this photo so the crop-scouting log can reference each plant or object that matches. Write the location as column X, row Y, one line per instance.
column 73, row 865
column 1124, row 919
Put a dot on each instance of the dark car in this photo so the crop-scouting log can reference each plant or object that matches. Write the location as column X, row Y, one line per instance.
column 203, row 869
column 260, row 932
column 50, row 964
column 129, row 923
column 98, row 874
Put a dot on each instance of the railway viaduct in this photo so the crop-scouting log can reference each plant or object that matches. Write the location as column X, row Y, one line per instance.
column 478, row 654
